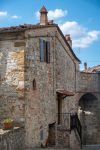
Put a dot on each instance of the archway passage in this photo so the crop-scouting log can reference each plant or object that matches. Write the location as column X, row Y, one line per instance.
column 87, row 112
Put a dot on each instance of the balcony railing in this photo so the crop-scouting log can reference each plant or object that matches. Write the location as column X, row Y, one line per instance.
column 76, row 124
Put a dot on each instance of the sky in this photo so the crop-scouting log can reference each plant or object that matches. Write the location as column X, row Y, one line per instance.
column 79, row 18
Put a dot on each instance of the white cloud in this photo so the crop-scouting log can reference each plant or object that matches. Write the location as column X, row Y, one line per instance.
column 55, row 14
column 86, row 40
column 81, row 36
column 3, row 13
column 37, row 14
column 72, row 28
column 15, row 17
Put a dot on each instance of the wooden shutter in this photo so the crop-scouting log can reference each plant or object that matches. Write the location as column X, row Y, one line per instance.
column 44, row 46
column 48, row 52
column 41, row 50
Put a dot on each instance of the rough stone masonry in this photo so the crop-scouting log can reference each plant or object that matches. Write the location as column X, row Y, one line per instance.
column 40, row 77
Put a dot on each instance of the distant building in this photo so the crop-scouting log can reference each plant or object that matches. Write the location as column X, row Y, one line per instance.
column 42, row 87
column 94, row 69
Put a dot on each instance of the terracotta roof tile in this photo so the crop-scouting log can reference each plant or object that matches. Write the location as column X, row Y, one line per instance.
column 24, row 27
column 43, row 10
column 94, row 69
column 37, row 26
column 64, row 93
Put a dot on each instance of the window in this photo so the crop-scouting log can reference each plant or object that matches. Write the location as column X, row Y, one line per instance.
column 44, row 51
column 34, row 84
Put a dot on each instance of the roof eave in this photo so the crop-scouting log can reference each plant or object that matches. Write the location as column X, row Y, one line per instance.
column 76, row 58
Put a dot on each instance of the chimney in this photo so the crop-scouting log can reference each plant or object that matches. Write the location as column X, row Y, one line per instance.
column 50, row 22
column 85, row 66
column 43, row 16
column 68, row 39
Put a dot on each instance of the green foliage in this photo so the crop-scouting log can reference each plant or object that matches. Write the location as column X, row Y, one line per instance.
column 7, row 120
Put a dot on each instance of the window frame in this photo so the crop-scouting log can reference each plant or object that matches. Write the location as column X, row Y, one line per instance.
column 44, row 50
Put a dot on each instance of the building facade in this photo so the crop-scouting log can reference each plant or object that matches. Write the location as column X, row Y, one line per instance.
column 40, row 84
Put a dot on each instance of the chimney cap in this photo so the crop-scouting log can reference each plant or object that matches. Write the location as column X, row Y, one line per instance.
column 43, row 10
column 50, row 22
column 67, row 36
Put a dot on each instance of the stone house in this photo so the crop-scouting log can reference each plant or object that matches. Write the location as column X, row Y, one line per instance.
column 42, row 87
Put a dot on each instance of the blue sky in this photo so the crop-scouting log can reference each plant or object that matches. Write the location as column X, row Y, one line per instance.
column 79, row 18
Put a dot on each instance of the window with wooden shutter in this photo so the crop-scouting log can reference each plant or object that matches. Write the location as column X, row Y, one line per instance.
column 44, row 51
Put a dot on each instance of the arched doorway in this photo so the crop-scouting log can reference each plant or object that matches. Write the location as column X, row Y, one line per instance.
column 87, row 112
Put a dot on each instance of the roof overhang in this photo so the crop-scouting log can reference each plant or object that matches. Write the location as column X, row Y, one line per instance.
column 64, row 93
column 76, row 58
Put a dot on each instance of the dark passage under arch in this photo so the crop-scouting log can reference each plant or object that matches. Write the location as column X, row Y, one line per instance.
column 87, row 111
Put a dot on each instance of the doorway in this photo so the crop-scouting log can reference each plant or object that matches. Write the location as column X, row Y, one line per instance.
column 51, row 137
column 87, row 112
column 59, row 110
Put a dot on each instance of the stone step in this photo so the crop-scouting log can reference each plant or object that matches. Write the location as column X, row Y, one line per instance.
column 91, row 147
column 87, row 147
column 47, row 149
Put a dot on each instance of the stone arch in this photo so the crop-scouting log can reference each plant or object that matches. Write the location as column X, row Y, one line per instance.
column 87, row 111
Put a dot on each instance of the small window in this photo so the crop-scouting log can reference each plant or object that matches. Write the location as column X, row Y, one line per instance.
column 44, row 51
column 34, row 84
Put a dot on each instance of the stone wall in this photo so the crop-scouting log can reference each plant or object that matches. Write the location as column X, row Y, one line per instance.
column 88, row 82
column 40, row 110
column 20, row 65
column 62, row 137
column 65, row 69
column 66, row 74
column 12, row 139
column 88, row 95
column 65, row 66
column 12, row 76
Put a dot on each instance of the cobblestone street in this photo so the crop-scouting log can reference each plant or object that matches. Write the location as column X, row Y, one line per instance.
column 93, row 147
column 47, row 149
